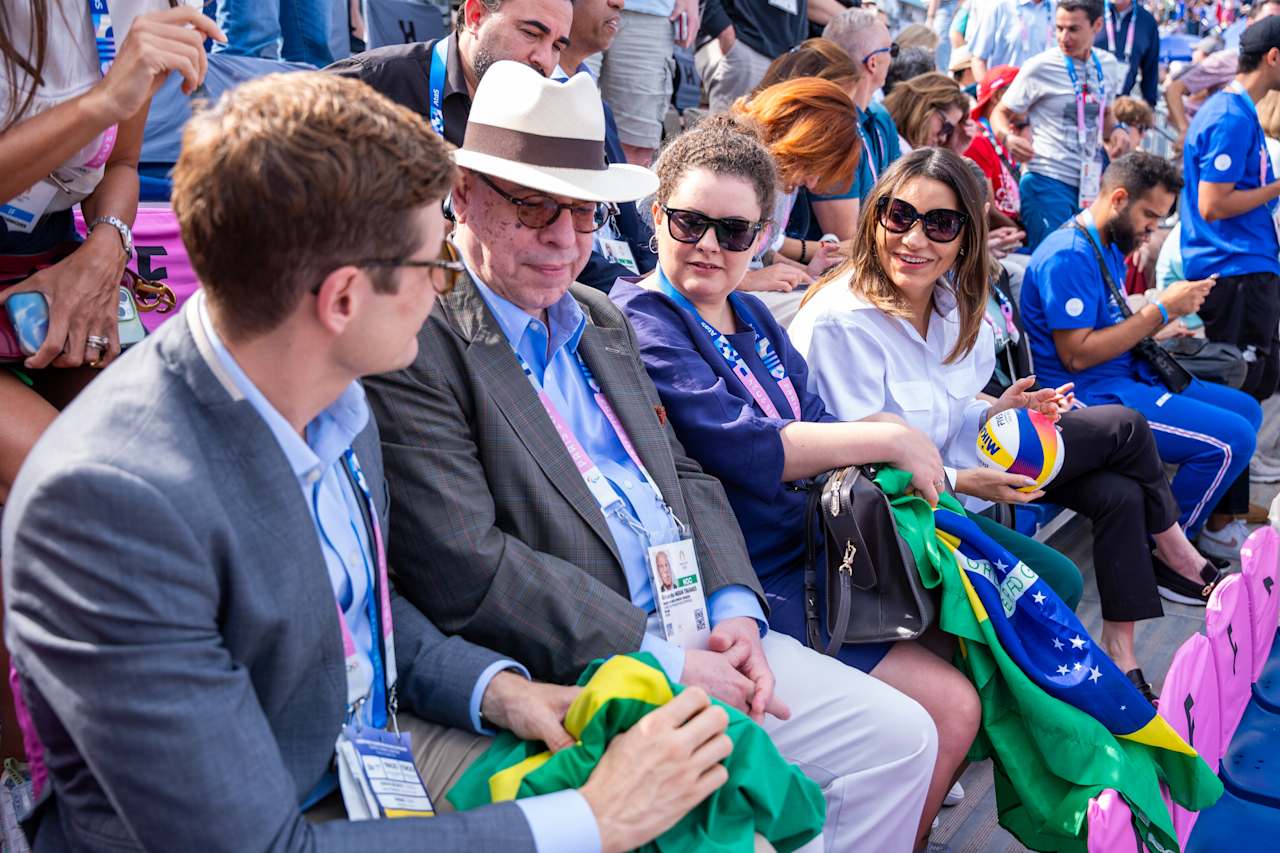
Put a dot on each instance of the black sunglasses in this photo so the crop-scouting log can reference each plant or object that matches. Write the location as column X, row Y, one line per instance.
column 948, row 129
column 539, row 211
column 892, row 50
column 689, row 226
column 448, row 264
column 940, row 224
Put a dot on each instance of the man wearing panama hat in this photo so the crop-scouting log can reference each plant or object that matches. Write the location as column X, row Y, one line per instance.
column 533, row 471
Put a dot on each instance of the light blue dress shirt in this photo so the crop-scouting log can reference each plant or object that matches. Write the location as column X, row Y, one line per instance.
column 560, row 821
column 1013, row 31
column 552, row 356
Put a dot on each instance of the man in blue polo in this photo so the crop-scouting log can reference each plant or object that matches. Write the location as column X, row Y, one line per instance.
column 1228, row 207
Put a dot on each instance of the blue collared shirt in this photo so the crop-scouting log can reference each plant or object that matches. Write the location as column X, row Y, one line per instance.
column 560, row 821
column 1012, row 31
column 551, row 354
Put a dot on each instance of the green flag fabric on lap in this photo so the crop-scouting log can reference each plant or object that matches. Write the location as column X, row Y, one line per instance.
column 764, row 794
column 1060, row 722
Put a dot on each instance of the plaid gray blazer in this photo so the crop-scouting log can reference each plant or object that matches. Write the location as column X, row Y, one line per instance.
column 497, row 537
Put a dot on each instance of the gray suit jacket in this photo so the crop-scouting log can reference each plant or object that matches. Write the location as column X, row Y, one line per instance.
column 498, row 539
column 169, row 611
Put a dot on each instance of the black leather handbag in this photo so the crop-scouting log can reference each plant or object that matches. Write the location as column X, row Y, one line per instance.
column 874, row 593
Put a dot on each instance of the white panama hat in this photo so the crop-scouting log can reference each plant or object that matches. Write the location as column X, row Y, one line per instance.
column 546, row 135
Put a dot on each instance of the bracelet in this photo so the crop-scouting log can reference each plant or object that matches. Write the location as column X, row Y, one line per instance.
column 1164, row 312
column 804, row 251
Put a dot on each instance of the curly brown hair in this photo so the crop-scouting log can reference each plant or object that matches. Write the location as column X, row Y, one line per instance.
column 723, row 144
column 291, row 176
column 970, row 282
column 913, row 102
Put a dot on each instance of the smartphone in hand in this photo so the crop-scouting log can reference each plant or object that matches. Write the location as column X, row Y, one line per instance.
column 29, row 314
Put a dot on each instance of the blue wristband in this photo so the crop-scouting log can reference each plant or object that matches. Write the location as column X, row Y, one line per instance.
column 1164, row 312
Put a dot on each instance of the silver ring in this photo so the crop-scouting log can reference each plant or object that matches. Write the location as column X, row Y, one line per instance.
column 97, row 342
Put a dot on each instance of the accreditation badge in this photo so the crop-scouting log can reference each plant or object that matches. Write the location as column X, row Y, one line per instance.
column 24, row 211
column 679, row 595
column 377, row 775
column 619, row 252
column 1090, row 180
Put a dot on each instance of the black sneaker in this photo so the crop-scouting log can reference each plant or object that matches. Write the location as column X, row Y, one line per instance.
column 1176, row 588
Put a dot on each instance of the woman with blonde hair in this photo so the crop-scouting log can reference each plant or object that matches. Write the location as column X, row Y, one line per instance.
column 931, row 111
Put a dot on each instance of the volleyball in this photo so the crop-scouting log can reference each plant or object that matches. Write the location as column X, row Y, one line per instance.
column 1022, row 442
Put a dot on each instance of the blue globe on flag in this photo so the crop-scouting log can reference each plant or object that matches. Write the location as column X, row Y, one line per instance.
column 1022, row 442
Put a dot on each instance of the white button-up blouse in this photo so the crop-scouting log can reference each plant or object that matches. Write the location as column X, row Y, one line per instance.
column 863, row 361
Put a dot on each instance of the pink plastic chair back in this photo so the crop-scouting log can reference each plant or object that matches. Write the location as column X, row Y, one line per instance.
column 1111, row 825
column 1258, row 559
column 1189, row 703
column 1231, row 637
column 159, row 256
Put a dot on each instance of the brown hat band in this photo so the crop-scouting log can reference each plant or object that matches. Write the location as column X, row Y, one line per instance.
column 532, row 149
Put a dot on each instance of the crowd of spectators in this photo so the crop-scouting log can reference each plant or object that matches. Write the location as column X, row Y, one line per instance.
column 507, row 305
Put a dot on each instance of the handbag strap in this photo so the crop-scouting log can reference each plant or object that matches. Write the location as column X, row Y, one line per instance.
column 1106, row 272
column 812, row 523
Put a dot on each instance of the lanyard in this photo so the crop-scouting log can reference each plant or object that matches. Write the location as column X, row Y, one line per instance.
column 990, row 134
column 1082, row 132
column 104, row 39
column 764, row 348
column 439, row 57
column 872, row 153
column 1110, row 14
column 597, row 484
column 1235, row 88
column 378, row 606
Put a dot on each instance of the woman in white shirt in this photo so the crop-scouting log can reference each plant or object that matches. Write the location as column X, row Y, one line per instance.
column 900, row 329
column 71, row 135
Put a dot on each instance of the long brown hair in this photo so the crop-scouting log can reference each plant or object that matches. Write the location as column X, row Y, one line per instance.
column 816, row 57
column 913, row 102
column 14, row 62
column 868, row 278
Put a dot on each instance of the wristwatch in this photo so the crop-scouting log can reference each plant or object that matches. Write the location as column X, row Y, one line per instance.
column 126, row 235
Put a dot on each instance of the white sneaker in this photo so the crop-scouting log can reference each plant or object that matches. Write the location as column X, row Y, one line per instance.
column 955, row 796
column 1224, row 543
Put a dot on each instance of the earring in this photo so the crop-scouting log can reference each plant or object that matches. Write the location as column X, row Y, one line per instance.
column 653, row 244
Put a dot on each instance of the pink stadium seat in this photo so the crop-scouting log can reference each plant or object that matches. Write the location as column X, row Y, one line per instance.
column 1189, row 703
column 1231, row 637
column 1258, row 560
column 1111, row 825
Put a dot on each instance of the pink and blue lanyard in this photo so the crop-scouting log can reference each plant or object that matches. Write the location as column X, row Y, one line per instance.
column 764, row 349
column 608, row 499
column 382, row 653
column 1110, row 14
column 1082, row 132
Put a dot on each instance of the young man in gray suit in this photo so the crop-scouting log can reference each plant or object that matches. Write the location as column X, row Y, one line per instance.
column 195, row 584
column 532, row 471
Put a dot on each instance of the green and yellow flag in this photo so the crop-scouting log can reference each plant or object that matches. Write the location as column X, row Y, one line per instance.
column 764, row 794
column 1060, row 722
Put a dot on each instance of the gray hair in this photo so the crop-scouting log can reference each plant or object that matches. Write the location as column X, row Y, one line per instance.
column 851, row 29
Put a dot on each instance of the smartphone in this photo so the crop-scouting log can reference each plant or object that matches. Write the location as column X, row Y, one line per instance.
column 681, row 28
column 29, row 314
column 131, row 329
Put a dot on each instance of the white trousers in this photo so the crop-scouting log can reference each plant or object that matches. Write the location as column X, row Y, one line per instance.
column 871, row 748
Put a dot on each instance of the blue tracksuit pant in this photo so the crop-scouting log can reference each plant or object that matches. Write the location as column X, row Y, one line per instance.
column 1208, row 431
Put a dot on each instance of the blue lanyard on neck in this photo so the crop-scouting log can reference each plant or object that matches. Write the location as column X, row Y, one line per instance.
column 439, row 59
column 104, row 36
column 764, row 347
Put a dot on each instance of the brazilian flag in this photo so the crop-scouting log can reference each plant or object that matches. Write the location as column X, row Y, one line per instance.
column 764, row 794
column 1060, row 722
